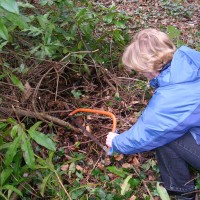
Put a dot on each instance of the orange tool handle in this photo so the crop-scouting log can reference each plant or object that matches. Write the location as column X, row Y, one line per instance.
column 109, row 114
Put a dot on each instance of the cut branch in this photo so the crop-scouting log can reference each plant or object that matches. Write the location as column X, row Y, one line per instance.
column 42, row 116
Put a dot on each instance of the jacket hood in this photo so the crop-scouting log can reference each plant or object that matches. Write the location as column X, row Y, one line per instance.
column 184, row 67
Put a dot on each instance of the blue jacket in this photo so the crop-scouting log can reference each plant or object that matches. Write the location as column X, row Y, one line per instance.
column 173, row 110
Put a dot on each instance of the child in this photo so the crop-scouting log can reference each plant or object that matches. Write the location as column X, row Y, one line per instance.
column 170, row 124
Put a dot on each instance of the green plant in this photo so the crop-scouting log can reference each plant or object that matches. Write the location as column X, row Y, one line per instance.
column 176, row 9
column 174, row 34
column 69, row 31
column 18, row 155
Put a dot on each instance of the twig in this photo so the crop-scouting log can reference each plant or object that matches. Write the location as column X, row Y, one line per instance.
column 88, row 176
column 77, row 52
column 16, row 114
column 192, row 180
column 62, row 185
column 145, row 185
column 11, row 99
column 57, row 82
column 37, row 88
column 148, row 191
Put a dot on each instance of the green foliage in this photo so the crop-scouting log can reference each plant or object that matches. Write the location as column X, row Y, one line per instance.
column 19, row 158
column 176, row 9
column 119, row 172
column 174, row 34
column 68, row 30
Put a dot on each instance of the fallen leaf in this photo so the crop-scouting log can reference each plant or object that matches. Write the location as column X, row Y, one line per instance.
column 133, row 197
column 88, row 129
column 135, row 162
column 89, row 117
column 151, row 177
column 78, row 167
column 111, row 175
column 90, row 162
column 27, row 92
column 107, row 161
column 64, row 167
column 100, row 166
column 119, row 157
column 126, row 165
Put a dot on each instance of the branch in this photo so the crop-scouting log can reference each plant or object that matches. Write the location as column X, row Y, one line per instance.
column 41, row 116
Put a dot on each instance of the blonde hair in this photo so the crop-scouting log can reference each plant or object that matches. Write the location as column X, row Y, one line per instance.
column 149, row 50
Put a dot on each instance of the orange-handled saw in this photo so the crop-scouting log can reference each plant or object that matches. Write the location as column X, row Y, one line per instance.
column 102, row 112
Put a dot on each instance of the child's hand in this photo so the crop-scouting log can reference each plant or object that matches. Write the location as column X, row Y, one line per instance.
column 110, row 138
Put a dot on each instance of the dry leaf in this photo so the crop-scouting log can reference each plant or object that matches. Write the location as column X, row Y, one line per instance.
column 64, row 167
column 89, row 117
column 107, row 161
column 78, row 167
column 90, row 162
column 133, row 197
column 127, row 165
column 119, row 157
column 151, row 177
column 135, row 162
column 111, row 176
column 100, row 166
column 135, row 102
column 27, row 92
column 88, row 129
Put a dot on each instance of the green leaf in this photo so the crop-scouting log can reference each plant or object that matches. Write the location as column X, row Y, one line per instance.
column 108, row 18
column 12, row 188
column 17, row 82
column 3, row 30
column 76, row 93
column 2, row 125
column 80, row 14
column 43, row 20
column 17, row 165
column 14, row 130
column 35, row 126
column 28, row 153
column 43, row 185
column 78, row 193
column 134, row 182
column 33, row 31
column 5, row 175
column 11, row 121
column 5, row 146
column 72, row 169
column 173, row 32
column 25, row 5
column 17, row 20
column 12, row 150
column 3, row 75
column 118, row 36
column 120, row 24
column 125, row 186
column 117, row 171
column 162, row 192
column 42, row 139
column 10, row 5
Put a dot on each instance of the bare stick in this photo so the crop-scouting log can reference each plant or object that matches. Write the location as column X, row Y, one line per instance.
column 62, row 185
column 41, row 116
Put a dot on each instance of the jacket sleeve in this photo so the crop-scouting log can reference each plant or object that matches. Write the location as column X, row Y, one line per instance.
column 157, row 126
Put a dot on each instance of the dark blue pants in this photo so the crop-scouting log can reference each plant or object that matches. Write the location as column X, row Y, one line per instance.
column 174, row 160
